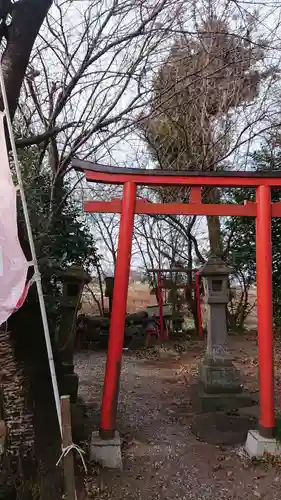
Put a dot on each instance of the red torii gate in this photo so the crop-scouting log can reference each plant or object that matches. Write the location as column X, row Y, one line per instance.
column 129, row 205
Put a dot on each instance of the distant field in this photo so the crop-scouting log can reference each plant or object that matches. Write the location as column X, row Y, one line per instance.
column 139, row 298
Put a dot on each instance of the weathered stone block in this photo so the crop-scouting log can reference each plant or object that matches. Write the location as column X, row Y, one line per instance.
column 69, row 385
column 78, row 416
column 222, row 428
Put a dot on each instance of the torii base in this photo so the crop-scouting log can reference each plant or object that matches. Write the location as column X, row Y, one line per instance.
column 256, row 445
column 106, row 452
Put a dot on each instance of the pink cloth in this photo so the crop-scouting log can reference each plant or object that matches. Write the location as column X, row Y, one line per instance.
column 13, row 264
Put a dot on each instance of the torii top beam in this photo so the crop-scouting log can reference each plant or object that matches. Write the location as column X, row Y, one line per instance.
column 95, row 172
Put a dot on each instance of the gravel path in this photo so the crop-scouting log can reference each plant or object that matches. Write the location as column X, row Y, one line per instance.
column 162, row 458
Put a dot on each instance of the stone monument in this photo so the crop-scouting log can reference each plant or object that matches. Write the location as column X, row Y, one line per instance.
column 73, row 280
column 219, row 387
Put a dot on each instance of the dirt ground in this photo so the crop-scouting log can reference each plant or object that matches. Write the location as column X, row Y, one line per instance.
column 162, row 458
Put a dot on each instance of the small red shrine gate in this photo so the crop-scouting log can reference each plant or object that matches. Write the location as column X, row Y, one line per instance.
column 129, row 205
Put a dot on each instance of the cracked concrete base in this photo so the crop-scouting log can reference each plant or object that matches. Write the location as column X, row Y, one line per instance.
column 256, row 445
column 106, row 452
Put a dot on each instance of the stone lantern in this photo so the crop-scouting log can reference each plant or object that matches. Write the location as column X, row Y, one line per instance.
column 109, row 287
column 219, row 380
column 73, row 280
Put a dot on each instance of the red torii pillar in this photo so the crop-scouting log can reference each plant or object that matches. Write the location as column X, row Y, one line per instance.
column 118, row 314
column 265, row 312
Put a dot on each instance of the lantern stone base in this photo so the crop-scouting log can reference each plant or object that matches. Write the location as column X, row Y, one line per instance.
column 219, row 387
column 106, row 452
column 256, row 445
column 204, row 402
column 219, row 376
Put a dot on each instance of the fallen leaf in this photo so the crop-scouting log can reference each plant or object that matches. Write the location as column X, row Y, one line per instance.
column 217, row 467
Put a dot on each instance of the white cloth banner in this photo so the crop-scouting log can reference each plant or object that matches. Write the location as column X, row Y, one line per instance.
column 13, row 264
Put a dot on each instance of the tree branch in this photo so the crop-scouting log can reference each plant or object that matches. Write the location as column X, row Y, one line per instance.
column 38, row 139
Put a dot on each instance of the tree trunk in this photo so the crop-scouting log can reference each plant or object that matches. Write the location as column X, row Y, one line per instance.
column 213, row 223
column 26, row 325
column 214, row 231
column 27, row 20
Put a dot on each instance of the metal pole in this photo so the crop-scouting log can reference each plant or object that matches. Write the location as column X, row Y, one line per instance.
column 264, row 301
column 118, row 315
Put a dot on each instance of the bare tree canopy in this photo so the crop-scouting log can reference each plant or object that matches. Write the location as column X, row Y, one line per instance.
column 204, row 81
column 89, row 75
column 206, row 94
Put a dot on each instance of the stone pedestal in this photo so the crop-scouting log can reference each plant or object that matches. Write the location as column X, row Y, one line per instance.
column 220, row 386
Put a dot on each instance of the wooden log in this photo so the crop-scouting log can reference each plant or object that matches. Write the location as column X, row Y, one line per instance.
column 68, row 462
column 137, row 317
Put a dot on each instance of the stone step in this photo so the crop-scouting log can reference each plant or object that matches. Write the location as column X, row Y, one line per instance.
column 203, row 402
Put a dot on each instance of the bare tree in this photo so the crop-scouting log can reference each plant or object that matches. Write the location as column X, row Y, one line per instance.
column 206, row 102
